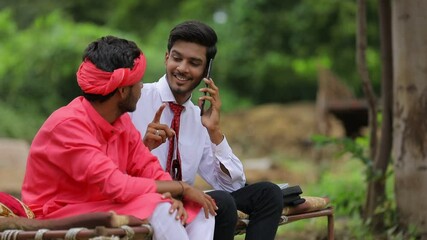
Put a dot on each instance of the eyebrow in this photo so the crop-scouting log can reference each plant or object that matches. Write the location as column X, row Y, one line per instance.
column 191, row 58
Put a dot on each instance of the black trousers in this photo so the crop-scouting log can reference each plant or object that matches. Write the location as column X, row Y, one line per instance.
column 262, row 201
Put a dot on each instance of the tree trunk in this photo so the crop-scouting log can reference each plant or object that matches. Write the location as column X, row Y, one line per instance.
column 376, row 188
column 361, row 44
column 375, row 192
column 409, row 21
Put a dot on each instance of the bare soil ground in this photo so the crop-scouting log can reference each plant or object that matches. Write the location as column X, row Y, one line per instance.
column 274, row 128
column 263, row 133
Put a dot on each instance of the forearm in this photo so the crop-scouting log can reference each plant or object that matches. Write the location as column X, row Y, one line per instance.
column 216, row 135
column 176, row 188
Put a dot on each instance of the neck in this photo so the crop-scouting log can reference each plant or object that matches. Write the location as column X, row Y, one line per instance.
column 181, row 99
column 107, row 110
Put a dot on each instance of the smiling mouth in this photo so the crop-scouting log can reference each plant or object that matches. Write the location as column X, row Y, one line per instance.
column 181, row 78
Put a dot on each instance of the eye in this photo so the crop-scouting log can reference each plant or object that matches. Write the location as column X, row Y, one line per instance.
column 176, row 58
column 195, row 64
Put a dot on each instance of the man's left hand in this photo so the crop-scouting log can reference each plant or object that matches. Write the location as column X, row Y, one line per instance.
column 211, row 117
column 157, row 133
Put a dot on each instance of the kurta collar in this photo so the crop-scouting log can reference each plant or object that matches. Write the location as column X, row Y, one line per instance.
column 108, row 130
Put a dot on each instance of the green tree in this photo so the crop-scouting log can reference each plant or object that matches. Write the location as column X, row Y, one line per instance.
column 275, row 46
column 37, row 74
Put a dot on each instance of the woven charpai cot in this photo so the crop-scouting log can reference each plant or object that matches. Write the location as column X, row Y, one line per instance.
column 17, row 222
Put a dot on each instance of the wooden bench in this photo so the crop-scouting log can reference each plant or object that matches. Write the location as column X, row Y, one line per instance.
column 145, row 231
column 108, row 225
column 327, row 212
column 97, row 233
column 285, row 219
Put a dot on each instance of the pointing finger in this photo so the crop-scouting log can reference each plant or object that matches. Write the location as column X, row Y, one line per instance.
column 159, row 113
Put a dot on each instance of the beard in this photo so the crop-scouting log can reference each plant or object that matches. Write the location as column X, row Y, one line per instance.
column 128, row 104
column 181, row 89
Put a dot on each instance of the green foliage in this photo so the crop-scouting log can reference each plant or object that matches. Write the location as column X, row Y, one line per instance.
column 341, row 179
column 349, row 194
column 24, row 12
column 7, row 26
column 37, row 74
column 357, row 148
column 346, row 187
column 269, row 50
column 15, row 124
column 269, row 41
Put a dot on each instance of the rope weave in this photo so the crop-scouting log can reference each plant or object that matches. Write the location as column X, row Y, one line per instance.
column 284, row 219
column 150, row 229
column 105, row 238
column 130, row 233
column 40, row 233
column 72, row 233
column 10, row 234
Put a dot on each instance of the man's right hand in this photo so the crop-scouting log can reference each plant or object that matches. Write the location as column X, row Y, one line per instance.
column 196, row 195
column 157, row 133
column 178, row 207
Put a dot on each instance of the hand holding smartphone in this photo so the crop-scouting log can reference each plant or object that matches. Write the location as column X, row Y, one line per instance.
column 208, row 75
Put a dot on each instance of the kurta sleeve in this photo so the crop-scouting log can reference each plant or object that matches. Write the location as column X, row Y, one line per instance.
column 142, row 163
column 79, row 152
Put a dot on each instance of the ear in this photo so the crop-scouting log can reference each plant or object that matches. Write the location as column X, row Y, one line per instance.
column 166, row 57
column 122, row 92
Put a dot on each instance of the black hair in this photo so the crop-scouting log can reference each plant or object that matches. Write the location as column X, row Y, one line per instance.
column 195, row 32
column 108, row 54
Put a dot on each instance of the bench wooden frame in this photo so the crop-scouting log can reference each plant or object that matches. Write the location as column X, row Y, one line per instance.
column 135, row 232
column 145, row 231
column 327, row 212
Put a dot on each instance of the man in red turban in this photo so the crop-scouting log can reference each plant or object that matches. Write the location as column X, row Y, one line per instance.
column 89, row 157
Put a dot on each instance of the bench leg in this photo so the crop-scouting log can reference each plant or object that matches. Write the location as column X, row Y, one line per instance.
column 331, row 227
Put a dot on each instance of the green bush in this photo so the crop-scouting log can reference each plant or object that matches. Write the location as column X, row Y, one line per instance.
column 38, row 68
column 18, row 125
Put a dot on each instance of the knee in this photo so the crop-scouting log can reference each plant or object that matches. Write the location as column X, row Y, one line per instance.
column 223, row 199
column 273, row 193
column 226, row 205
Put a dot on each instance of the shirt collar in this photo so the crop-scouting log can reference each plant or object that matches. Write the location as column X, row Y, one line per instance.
column 166, row 93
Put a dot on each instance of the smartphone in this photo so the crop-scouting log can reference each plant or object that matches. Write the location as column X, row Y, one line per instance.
column 208, row 75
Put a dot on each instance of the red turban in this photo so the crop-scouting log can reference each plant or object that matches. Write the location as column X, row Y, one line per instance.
column 95, row 81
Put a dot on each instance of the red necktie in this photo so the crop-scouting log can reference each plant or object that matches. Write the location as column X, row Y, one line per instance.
column 173, row 166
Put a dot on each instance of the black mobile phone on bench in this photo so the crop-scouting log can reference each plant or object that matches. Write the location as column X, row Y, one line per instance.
column 208, row 75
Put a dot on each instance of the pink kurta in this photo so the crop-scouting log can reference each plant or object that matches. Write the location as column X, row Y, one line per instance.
column 80, row 163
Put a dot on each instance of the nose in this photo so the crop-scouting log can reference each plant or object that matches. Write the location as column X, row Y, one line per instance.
column 183, row 67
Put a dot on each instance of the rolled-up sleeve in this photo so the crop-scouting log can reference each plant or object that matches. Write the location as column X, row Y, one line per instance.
column 214, row 156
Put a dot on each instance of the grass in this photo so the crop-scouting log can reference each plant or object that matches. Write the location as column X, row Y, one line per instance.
column 343, row 181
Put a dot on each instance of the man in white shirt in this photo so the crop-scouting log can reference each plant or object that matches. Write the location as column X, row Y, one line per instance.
column 197, row 145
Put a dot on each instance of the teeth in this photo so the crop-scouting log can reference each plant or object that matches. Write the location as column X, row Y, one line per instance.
column 181, row 78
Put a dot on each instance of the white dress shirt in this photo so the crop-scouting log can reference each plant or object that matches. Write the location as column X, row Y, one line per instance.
column 198, row 153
